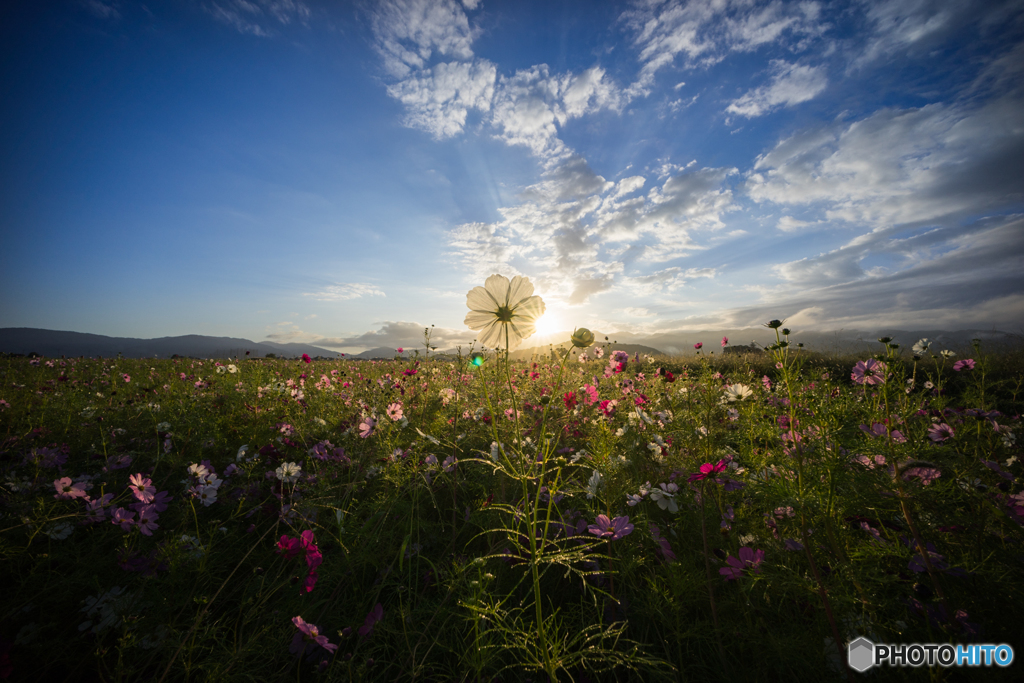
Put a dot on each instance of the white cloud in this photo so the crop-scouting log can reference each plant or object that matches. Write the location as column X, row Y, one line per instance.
column 438, row 99
column 918, row 26
column 531, row 105
column 901, row 166
column 405, row 334
column 790, row 224
column 253, row 16
column 702, row 33
column 344, row 292
column 947, row 278
column 410, row 32
column 637, row 312
column 574, row 232
column 103, row 10
column 791, row 84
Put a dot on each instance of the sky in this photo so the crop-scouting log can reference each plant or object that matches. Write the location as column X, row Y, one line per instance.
column 343, row 173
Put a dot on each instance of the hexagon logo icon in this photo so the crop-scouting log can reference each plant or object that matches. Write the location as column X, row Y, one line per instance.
column 861, row 654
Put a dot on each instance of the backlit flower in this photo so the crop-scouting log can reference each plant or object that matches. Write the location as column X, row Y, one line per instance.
column 612, row 529
column 66, row 490
column 870, row 371
column 967, row 363
column 582, row 338
column 504, row 311
column 142, row 488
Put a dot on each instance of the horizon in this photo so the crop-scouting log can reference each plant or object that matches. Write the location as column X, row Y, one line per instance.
column 343, row 174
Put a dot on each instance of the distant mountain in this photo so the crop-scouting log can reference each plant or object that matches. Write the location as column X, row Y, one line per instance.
column 53, row 343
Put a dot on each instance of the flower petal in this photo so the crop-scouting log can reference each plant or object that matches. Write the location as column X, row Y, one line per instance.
column 497, row 287
column 519, row 290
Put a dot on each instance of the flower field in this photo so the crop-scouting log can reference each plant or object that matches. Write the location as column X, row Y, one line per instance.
column 588, row 515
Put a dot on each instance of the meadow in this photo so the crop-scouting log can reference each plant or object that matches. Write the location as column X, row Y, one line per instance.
column 588, row 515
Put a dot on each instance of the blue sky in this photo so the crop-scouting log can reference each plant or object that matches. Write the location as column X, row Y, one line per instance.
column 343, row 173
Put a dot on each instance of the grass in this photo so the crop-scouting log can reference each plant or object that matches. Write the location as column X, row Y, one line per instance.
column 479, row 554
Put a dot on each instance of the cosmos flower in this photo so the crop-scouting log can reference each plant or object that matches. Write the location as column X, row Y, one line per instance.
column 612, row 529
column 737, row 392
column 748, row 559
column 288, row 472
column 870, row 371
column 940, row 432
column 503, row 311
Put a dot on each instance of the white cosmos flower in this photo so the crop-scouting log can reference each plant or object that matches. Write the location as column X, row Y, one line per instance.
column 502, row 307
column 921, row 346
column 593, row 484
column 288, row 472
column 737, row 392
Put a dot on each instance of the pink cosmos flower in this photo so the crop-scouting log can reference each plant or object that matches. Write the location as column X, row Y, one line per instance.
column 725, row 342
column 400, row 349
column 308, row 635
column 306, row 358
column 147, row 520
column 612, row 529
column 748, row 559
column 666, row 549
column 395, row 411
column 94, row 509
column 870, row 372
column 926, row 474
column 878, row 429
column 366, row 427
column 142, row 488
column 375, row 615
column 124, row 518
column 962, row 364
column 66, row 490
column 940, row 432
column 126, row 377
column 698, row 345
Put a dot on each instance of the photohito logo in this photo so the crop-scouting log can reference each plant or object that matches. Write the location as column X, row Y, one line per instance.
column 862, row 654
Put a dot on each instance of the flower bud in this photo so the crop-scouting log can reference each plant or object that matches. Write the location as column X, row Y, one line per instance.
column 582, row 338
column 773, row 325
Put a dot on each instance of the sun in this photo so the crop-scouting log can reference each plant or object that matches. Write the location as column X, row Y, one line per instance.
column 550, row 323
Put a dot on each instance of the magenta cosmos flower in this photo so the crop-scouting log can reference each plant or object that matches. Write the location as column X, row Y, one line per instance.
column 708, row 470
column 612, row 529
column 748, row 559
column 698, row 345
column 966, row 363
column 725, row 341
column 870, row 371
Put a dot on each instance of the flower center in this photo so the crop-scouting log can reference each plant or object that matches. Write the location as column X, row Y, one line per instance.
column 504, row 314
